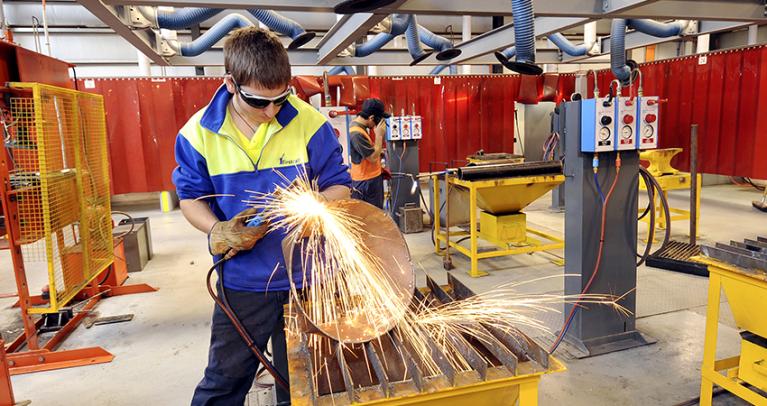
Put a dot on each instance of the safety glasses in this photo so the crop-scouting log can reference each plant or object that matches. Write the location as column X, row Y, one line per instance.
column 259, row 102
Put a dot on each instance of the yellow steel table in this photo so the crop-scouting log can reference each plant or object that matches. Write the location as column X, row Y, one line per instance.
column 746, row 293
column 505, row 195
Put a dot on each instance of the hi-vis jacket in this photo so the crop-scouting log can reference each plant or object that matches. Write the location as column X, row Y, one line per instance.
column 211, row 161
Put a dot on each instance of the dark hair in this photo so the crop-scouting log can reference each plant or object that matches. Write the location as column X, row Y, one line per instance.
column 256, row 57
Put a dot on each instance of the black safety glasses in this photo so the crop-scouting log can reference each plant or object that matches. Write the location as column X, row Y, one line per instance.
column 259, row 102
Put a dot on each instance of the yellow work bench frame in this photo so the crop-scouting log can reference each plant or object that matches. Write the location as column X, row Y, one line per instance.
column 669, row 178
column 751, row 296
column 678, row 181
column 528, row 247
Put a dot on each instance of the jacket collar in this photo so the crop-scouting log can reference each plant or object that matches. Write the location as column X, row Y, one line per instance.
column 215, row 113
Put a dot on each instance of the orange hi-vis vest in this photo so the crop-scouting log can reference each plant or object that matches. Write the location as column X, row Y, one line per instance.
column 365, row 169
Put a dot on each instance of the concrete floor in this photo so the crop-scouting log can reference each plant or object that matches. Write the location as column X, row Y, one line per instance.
column 160, row 355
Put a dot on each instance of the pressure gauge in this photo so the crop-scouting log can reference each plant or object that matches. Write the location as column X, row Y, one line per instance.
column 648, row 131
column 604, row 134
column 626, row 132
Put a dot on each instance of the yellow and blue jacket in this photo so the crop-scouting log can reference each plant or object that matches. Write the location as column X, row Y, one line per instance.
column 213, row 158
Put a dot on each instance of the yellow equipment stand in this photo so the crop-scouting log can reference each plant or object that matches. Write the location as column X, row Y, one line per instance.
column 669, row 178
column 746, row 293
column 513, row 194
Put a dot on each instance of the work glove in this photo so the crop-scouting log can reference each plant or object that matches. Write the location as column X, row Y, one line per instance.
column 380, row 129
column 232, row 236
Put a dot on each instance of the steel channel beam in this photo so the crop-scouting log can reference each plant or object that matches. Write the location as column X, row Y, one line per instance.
column 636, row 39
column 503, row 37
column 384, row 57
column 347, row 30
column 140, row 39
column 700, row 10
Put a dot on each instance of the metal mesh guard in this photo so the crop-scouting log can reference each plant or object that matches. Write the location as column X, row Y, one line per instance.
column 60, row 177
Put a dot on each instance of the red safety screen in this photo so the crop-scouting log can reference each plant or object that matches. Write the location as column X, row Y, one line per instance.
column 719, row 92
column 462, row 114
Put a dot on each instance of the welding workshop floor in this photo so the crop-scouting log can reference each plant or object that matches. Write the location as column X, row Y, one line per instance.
column 161, row 353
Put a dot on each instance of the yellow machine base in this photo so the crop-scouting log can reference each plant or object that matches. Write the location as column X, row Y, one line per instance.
column 503, row 229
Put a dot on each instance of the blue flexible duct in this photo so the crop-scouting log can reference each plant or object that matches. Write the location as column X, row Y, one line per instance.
column 337, row 70
column 656, row 29
column 185, row 17
column 618, row 50
column 567, row 46
column 414, row 41
column 507, row 53
column 524, row 37
column 442, row 45
column 278, row 23
column 399, row 24
column 214, row 34
column 439, row 68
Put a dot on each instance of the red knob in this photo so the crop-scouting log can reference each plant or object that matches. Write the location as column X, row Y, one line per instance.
column 650, row 118
column 627, row 119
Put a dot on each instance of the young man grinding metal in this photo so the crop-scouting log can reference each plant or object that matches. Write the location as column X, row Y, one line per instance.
column 253, row 136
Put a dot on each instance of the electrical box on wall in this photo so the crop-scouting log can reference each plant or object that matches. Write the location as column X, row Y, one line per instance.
column 648, row 117
column 625, row 124
column 598, row 125
column 393, row 129
column 406, row 128
column 415, row 128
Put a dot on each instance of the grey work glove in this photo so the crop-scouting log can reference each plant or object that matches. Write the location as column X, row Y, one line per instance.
column 232, row 236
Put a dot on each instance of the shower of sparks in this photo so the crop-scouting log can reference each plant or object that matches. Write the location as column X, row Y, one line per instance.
column 344, row 286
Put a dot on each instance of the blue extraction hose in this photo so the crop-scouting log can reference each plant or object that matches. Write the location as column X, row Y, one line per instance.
column 214, row 34
column 185, row 17
column 399, row 23
column 657, row 29
column 337, row 70
column 414, row 41
column 278, row 23
column 567, row 46
column 618, row 50
column 524, row 34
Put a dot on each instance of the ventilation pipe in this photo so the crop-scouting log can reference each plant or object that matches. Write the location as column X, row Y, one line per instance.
column 187, row 17
column 337, row 70
column 181, row 18
column 442, row 45
column 618, row 64
column 524, row 39
column 661, row 30
column 414, row 41
column 439, row 68
column 213, row 35
column 399, row 24
column 284, row 26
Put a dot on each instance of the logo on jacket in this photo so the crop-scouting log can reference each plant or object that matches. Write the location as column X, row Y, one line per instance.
column 284, row 161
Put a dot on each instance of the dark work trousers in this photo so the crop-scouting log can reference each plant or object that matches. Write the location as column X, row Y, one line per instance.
column 232, row 365
column 370, row 190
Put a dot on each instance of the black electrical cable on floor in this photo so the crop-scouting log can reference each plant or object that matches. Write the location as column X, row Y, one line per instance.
column 223, row 303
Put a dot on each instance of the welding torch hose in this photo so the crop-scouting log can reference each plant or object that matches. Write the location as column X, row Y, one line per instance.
column 585, row 290
column 654, row 187
column 223, row 303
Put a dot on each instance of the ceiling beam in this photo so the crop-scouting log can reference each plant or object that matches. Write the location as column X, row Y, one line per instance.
column 346, row 30
column 734, row 10
column 143, row 40
column 503, row 37
column 384, row 57
column 636, row 39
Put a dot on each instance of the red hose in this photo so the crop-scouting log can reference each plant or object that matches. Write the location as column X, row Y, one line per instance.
column 599, row 259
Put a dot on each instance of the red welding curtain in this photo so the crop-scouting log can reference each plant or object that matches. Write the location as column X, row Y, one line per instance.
column 143, row 118
column 725, row 94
